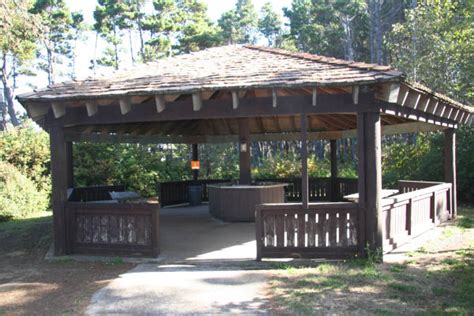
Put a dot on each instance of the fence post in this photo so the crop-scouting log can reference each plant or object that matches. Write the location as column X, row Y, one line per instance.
column 258, row 231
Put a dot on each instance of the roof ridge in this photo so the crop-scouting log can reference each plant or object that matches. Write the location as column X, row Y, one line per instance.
column 326, row 59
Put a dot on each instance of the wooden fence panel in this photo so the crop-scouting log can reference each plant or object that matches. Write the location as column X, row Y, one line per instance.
column 324, row 230
column 113, row 229
column 419, row 207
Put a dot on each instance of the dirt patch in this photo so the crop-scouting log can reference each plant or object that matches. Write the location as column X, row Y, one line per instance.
column 29, row 285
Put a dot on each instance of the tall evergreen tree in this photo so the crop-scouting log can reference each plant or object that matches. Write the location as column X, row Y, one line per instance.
column 62, row 27
column 270, row 24
column 239, row 25
column 18, row 35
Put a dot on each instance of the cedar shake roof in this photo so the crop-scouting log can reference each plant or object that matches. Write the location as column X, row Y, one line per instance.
column 221, row 68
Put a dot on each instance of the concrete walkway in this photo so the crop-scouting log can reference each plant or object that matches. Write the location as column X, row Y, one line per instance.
column 202, row 269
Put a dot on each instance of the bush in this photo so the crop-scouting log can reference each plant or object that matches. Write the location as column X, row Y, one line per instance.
column 19, row 196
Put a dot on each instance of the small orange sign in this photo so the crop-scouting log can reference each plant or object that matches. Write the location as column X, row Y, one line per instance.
column 195, row 164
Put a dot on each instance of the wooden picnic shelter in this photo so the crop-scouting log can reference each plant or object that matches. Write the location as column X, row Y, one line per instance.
column 242, row 94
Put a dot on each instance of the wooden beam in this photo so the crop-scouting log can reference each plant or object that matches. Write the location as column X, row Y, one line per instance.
column 274, row 98
column 197, row 101
column 92, row 108
column 388, row 92
column 450, row 166
column 59, row 110
column 244, row 152
column 333, row 149
column 315, row 97
column 373, row 180
column 355, row 94
column 214, row 109
column 69, row 165
column 160, row 103
column 235, row 100
column 59, row 190
column 304, row 161
column 125, row 105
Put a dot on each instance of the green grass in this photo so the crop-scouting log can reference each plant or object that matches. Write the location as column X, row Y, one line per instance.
column 423, row 284
column 32, row 233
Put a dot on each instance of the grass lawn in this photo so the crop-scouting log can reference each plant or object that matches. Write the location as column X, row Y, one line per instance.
column 438, row 278
column 29, row 285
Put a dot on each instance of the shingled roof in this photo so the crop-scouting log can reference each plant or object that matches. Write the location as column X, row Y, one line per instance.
column 223, row 68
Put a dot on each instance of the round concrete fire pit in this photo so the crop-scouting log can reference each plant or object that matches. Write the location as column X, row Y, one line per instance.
column 236, row 203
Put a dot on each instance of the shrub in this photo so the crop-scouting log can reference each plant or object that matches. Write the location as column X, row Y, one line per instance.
column 19, row 196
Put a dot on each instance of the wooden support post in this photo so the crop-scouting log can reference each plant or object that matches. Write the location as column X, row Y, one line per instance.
column 370, row 178
column 69, row 165
column 304, row 161
column 59, row 192
column 334, row 191
column 195, row 156
column 244, row 152
column 450, row 166
column 373, row 180
column 361, row 181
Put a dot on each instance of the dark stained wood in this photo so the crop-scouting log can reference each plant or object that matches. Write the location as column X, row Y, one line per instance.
column 450, row 166
column 59, row 194
column 70, row 165
column 313, row 224
column 244, row 152
column 130, row 229
column 333, row 150
column 304, row 160
column 373, row 180
column 213, row 109
column 361, row 181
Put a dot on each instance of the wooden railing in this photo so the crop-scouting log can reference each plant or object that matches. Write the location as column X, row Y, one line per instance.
column 113, row 228
column 320, row 189
column 406, row 215
column 172, row 193
column 324, row 230
column 94, row 193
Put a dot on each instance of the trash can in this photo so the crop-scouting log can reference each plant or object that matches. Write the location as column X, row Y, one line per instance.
column 195, row 195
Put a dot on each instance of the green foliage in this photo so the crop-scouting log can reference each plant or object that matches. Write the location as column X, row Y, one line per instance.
column 435, row 45
column 423, row 160
column 239, row 25
column 27, row 148
column 270, row 24
column 137, row 167
column 19, row 196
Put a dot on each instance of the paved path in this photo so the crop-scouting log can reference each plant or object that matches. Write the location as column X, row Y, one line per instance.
column 153, row 289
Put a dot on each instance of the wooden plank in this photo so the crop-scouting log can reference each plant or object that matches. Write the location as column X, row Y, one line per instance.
column 125, row 105
column 235, row 100
column 315, row 97
column 290, row 229
column 92, row 108
column 355, row 94
column 197, row 102
column 160, row 103
column 59, row 110
column 274, row 98
column 388, row 92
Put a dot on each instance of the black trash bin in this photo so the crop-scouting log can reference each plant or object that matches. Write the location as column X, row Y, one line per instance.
column 195, row 195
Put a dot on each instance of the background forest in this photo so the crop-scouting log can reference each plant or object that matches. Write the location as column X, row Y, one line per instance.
column 431, row 41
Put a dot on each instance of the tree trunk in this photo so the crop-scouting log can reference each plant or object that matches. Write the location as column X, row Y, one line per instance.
column 8, row 97
column 131, row 46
